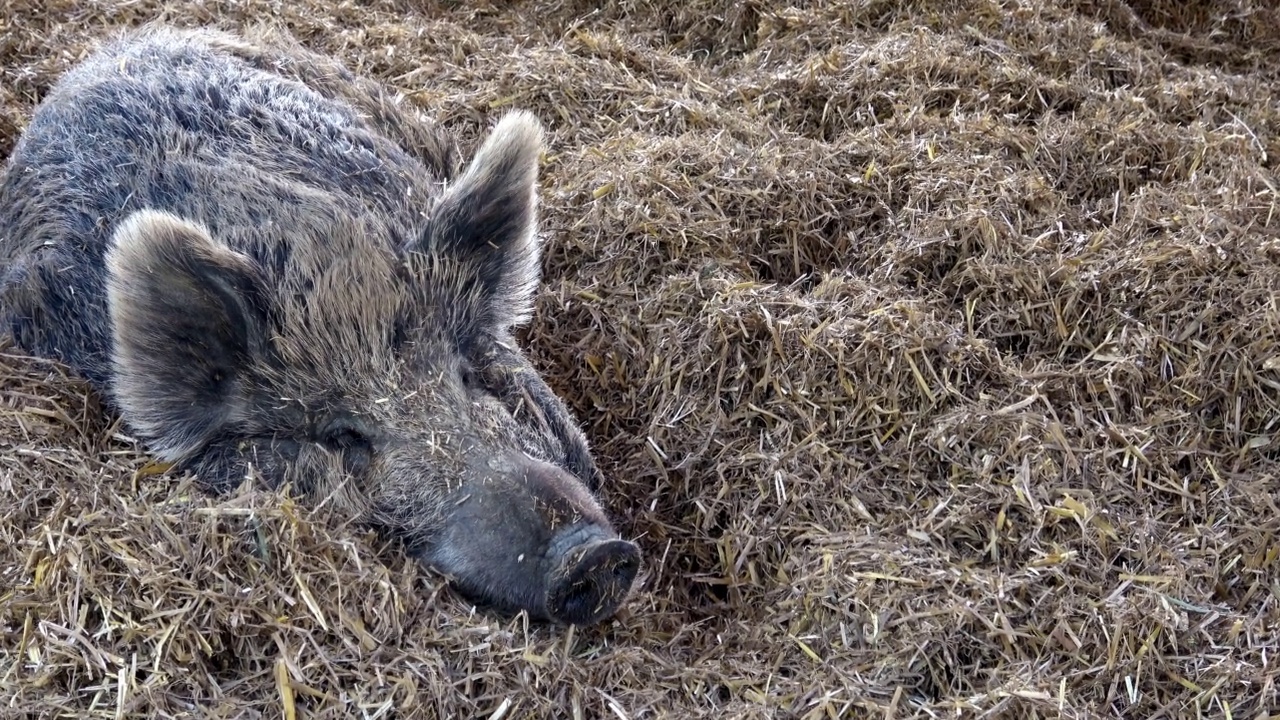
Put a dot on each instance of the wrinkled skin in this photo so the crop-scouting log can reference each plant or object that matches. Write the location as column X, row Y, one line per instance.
column 267, row 265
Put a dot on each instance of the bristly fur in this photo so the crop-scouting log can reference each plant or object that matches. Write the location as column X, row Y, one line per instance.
column 269, row 265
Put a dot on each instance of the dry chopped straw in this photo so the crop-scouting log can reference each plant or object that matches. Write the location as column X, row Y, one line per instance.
column 930, row 347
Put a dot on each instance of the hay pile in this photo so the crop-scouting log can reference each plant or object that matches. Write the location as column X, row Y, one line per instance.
column 933, row 350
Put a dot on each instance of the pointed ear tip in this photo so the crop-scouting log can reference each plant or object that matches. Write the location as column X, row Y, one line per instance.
column 151, row 224
column 522, row 118
column 146, row 217
column 520, row 130
column 140, row 230
column 157, row 238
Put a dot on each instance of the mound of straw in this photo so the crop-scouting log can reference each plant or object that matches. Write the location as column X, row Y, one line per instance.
column 932, row 350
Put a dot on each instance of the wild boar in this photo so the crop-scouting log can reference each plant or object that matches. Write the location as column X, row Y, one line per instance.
column 268, row 265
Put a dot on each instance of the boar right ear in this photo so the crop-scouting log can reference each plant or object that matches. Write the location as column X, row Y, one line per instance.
column 187, row 320
column 487, row 222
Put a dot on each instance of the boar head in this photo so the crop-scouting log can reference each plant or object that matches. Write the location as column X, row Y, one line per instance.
column 379, row 373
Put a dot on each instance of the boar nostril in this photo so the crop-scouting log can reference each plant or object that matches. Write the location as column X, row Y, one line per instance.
column 593, row 581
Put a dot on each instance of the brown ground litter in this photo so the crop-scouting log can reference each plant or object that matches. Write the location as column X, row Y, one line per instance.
column 932, row 349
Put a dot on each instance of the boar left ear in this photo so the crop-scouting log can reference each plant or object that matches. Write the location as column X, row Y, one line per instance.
column 187, row 320
column 488, row 220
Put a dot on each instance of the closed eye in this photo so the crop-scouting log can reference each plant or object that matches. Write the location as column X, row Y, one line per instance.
column 345, row 438
column 354, row 446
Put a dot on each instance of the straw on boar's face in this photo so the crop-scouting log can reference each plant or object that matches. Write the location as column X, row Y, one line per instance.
column 385, row 378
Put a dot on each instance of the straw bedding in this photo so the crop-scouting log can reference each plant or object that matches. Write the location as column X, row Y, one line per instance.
column 932, row 350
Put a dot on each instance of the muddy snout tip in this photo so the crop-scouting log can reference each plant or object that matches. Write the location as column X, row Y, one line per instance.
column 592, row 581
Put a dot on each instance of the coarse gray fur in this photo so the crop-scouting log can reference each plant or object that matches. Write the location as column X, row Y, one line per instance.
column 266, row 262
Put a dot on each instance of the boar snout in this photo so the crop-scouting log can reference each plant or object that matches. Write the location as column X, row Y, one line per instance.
column 523, row 534
column 591, row 580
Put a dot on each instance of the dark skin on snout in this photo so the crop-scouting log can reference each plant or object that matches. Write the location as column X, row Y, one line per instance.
column 268, row 265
